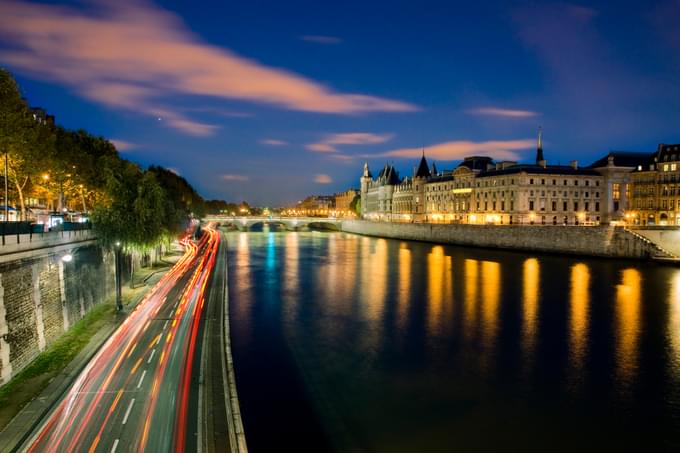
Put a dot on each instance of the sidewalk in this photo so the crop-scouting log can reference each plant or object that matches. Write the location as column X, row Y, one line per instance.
column 23, row 424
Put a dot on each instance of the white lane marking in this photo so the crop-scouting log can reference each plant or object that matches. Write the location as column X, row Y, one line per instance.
column 115, row 445
column 153, row 351
column 165, row 325
column 141, row 379
column 127, row 412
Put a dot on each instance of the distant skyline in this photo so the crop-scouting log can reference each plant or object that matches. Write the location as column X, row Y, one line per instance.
column 273, row 101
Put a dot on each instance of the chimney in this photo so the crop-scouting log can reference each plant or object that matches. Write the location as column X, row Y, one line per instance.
column 574, row 164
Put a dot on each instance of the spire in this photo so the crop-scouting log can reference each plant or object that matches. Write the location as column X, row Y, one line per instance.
column 540, row 160
column 434, row 169
column 423, row 171
column 367, row 172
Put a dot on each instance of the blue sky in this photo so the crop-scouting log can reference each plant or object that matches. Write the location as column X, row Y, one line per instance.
column 272, row 101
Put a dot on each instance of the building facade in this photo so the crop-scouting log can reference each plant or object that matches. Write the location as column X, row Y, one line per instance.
column 655, row 189
column 343, row 201
column 481, row 191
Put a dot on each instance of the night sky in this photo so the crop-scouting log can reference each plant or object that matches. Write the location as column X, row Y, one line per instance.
column 273, row 101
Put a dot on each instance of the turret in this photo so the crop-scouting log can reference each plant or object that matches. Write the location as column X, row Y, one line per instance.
column 365, row 181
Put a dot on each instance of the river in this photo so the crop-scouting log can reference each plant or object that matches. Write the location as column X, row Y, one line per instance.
column 350, row 343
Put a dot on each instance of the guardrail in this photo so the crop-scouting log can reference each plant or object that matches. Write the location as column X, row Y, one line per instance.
column 15, row 246
column 12, row 233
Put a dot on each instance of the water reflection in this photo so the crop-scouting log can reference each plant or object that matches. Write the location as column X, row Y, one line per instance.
column 440, row 289
column 243, row 279
column 674, row 321
column 530, row 298
column 628, row 317
column 376, row 269
column 291, row 281
column 372, row 336
column 471, row 270
column 579, row 300
column 404, row 285
column 491, row 290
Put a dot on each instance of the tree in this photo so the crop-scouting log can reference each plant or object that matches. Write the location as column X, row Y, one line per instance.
column 355, row 205
column 182, row 200
column 28, row 144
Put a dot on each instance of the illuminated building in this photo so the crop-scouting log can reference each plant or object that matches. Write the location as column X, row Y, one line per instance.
column 655, row 189
column 482, row 191
column 343, row 200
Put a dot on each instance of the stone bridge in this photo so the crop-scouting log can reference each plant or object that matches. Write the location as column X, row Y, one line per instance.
column 289, row 223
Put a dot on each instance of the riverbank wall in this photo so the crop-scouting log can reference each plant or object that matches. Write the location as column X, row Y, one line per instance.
column 601, row 241
column 43, row 295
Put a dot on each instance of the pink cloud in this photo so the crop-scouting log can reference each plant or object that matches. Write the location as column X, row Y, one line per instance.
column 135, row 56
column 501, row 112
column 273, row 142
column 232, row 177
column 321, row 39
column 456, row 150
column 122, row 145
column 323, row 179
column 330, row 142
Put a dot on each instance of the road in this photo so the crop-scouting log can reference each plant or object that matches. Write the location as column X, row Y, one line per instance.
column 139, row 392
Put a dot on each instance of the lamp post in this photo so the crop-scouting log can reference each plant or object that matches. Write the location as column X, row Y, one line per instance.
column 6, row 189
column 119, row 301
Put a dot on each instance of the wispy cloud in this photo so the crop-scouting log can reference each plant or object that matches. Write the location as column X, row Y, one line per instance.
column 233, row 177
column 321, row 39
column 323, row 179
column 123, row 145
column 501, row 112
column 456, row 150
column 138, row 57
column 330, row 142
column 273, row 142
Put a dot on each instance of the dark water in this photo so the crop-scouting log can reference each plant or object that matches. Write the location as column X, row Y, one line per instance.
column 351, row 343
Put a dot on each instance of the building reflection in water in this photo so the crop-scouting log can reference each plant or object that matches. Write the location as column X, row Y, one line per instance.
column 471, row 269
column 491, row 291
column 579, row 306
column 291, row 280
column 243, row 283
column 674, row 323
column 404, row 285
column 530, row 299
column 440, row 289
column 628, row 324
column 375, row 269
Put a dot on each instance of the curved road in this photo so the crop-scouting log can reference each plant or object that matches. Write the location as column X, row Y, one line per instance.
column 139, row 391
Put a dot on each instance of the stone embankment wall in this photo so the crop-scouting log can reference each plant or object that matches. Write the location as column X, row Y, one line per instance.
column 613, row 242
column 42, row 296
column 667, row 238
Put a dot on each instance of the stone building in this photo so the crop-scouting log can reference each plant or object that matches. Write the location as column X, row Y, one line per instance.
column 482, row 191
column 616, row 168
column 343, row 200
column 316, row 205
column 655, row 189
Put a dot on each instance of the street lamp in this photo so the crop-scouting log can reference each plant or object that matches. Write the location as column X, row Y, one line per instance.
column 119, row 300
column 6, row 187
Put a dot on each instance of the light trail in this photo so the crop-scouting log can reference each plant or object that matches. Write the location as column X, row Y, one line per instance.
column 156, row 418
